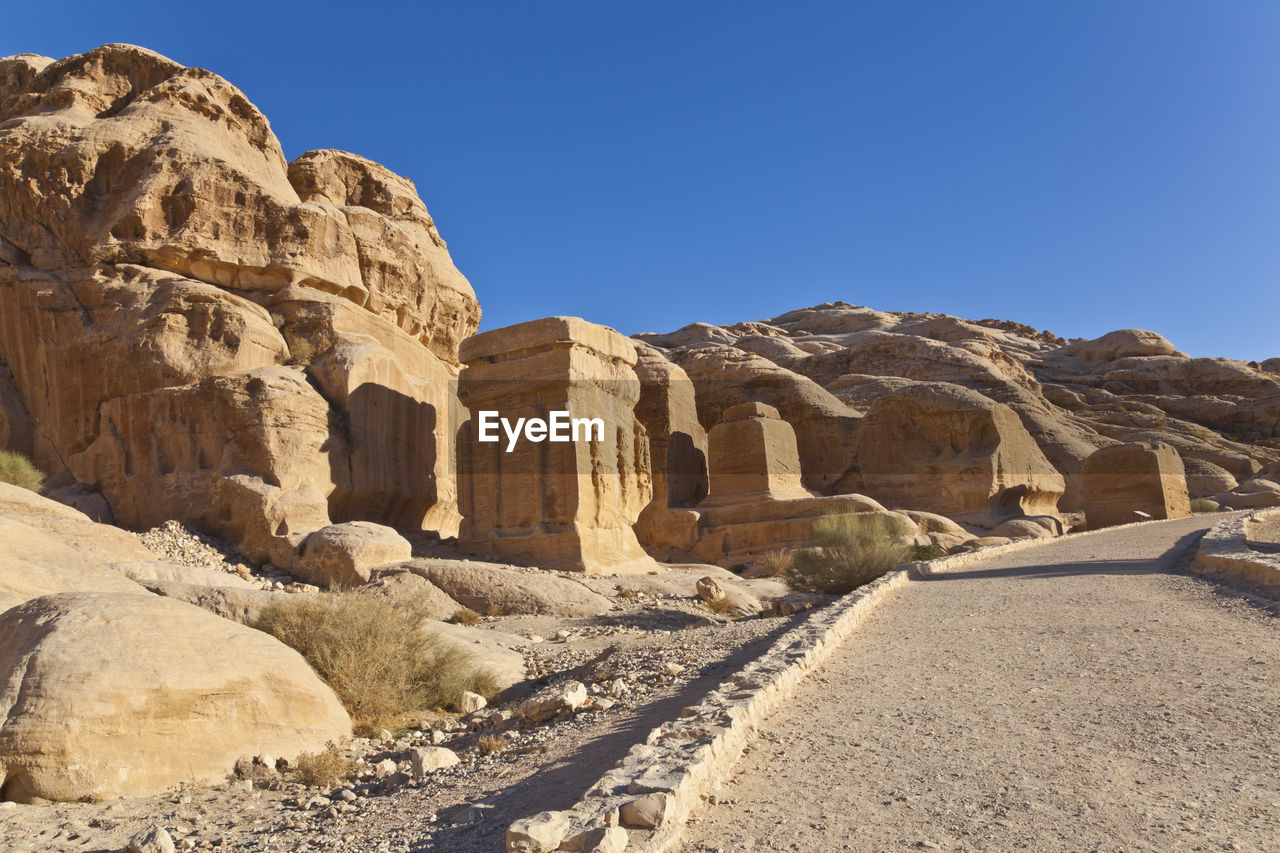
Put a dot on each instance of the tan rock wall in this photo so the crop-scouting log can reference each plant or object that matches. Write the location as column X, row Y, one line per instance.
column 565, row 505
column 1126, row 479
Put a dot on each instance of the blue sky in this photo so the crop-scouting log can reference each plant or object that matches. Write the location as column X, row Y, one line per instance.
column 1078, row 166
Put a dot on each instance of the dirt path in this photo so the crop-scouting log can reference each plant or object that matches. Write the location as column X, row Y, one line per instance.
column 1080, row 696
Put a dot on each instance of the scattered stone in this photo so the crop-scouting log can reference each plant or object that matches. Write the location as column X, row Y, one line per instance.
column 554, row 701
column 153, row 839
column 426, row 759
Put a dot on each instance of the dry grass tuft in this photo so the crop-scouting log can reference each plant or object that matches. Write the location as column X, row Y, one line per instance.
column 465, row 616
column 20, row 471
column 776, row 563
column 376, row 654
column 490, row 744
column 1204, row 505
column 848, row 551
column 323, row 769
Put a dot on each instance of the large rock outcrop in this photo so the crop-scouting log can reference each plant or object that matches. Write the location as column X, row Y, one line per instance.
column 824, row 367
column 949, row 450
column 195, row 328
column 566, row 504
column 1133, row 482
column 162, row 692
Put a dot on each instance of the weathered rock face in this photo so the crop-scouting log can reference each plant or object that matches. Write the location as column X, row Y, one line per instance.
column 757, row 503
column 567, row 504
column 48, row 548
column 668, row 411
column 823, row 367
column 754, row 457
column 945, row 449
column 163, row 692
column 160, row 263
column 1128, row 479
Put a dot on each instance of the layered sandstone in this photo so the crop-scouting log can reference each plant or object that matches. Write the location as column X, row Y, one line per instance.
column 192, row 327
column 568, row 504
column 1133, row 482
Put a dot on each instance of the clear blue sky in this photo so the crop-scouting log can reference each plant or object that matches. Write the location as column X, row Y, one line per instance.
column 1079, row 166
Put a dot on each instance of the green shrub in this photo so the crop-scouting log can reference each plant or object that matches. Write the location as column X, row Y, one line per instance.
column 848, row 551
column 376, row 655
column 1204, row 505
column 18, row 470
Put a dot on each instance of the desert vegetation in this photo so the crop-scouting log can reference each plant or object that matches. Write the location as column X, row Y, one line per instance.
column 376, row 655
column 20, row 471
column 846, row 552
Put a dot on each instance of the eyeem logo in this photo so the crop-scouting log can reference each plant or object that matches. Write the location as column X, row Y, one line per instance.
column 561, row 427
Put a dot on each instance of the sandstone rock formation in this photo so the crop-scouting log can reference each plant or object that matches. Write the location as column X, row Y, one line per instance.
column 192, row 328
column 757, row 503
column 499, row 590
column 833, row 363
column 162, row 693
column 48, row 548
column 949, row 450
column 1125, row 480
column 568, row 504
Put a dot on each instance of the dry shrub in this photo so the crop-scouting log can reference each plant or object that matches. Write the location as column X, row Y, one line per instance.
column 301, row 352
column 20, row 471
column 465, row 616
column 722, row 605
column 1204, row 505
column 847, row 551
column 928, row 552
column 376, row 655
column 489, row 744
column 323, row 769
column 776, row 563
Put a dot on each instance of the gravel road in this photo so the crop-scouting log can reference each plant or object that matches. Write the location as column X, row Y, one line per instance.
column 1080, row 696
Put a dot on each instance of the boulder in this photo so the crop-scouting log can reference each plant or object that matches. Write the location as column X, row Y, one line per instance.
column 951, row 451
column 163, row 693
column 1205, row 479
column 399, row 583
column 556, row 504
column 1253, row 494
column 343, row 555
column 553, row 701
column 1133, row 482
column 427, row 759
column 505, row 590
column 52, row 548
column 1122, row 343
column 728, row 598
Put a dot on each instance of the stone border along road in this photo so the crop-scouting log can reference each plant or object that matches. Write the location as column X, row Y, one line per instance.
column 659, row 783
column 1225, row 554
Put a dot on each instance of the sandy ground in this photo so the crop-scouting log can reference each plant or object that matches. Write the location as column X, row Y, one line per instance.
column 1080, row 696
column 464, row 808
column 1266, row 534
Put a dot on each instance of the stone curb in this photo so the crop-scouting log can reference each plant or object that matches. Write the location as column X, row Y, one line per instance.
column 1225, row 555
column 642, row 805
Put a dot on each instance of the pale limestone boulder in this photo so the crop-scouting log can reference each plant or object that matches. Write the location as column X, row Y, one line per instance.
column 951, row 451
column 728, row 598
column 553, row 701
column 230, row 602
column 494, row 590
column 489, row 649
column 145, row 571
column 567, row 505
column 1254, row 494
column 163, row 693
column 1127, row 479
column 49, row 548
column 343, row 555
column 427, row 759
column 399, row 584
